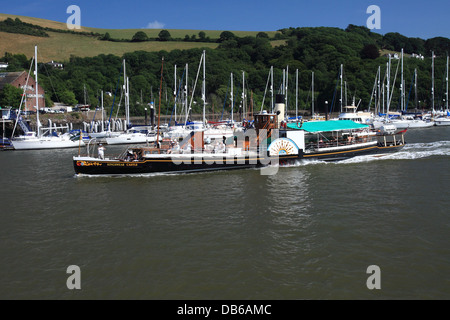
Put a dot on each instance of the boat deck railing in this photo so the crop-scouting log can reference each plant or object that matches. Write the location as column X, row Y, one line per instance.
column 350, row 141
column 391, row 140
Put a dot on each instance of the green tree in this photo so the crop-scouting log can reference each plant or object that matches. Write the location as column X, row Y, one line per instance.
column 262, row 35
column 10, row 96
column 226, row 36
column 139, row 36
column 164, row 35
column 106, row 37
column 370, row 51
column 202, row 36
column 67, row 97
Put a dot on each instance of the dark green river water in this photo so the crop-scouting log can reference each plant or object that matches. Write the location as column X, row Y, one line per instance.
column 308, row 232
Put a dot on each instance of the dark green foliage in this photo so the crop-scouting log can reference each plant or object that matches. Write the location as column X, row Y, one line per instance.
column 164, row 35
column 106, row 37
column 17, row 26
column 440, row 46
column 370, row 51
column 139, row 36
column 226, row 36
column 16, row 61
column 10, row 96
column 262, row 35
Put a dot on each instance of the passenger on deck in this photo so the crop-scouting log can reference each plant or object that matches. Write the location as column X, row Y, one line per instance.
column 187, row 149
column 350, row 139
column 129, row 155
column 101, row 151
column 176, row 147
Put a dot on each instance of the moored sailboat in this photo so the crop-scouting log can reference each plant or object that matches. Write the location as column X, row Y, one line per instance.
column 41, row 139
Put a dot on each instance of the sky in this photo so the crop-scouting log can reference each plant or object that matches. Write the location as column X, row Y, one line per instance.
column 412, row 18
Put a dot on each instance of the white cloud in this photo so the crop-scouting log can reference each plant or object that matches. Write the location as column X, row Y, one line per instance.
column 155, row 25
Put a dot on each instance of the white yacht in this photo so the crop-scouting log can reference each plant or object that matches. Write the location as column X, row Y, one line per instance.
column 409, row 122
column 356, row 116
column 39, row 140
column 31, row 141
column 133, row 136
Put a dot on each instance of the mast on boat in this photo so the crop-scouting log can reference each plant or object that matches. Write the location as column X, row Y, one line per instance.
column 243, row 95
column 127, row 95
column 38, row 123
column 271, row 88
column 388, row 83
column 232, row 100
column 379, row 91
column 432, row 80
column 342, row 98
column 446, row 95
column 175, row 92
column 415, row 87
column 402, row 91
column 312, row 85
column 101, row 100
column 186, row 96
column 204, row 89
column 296, row 94
column 286, row 91
column 159, row 107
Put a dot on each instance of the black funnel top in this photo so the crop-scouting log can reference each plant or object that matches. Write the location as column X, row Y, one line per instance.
column 279, row 98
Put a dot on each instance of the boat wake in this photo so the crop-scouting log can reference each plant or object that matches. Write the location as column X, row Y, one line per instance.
column 409, row 152
column 120, row 176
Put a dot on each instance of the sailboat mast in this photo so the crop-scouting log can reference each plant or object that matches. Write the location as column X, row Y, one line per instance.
column 388, row 83
column 271, row 87
column 432, row 80
column 204, row 89
column 286, row 90
column 125, row 87
column 342, row 98
column 379, row 91
column 296, row 94
column 402, row 93
column 312, row 86
column 415, row 87
column 38, row 124
column 103, row 122
column 446, row 80
column 175, row 92
column 128, row 102
column 243, row 95
column 159, row 107
column 232, row 100
column 186, row 97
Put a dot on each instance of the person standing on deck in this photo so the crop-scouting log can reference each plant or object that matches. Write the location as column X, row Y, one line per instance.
column 101, row 151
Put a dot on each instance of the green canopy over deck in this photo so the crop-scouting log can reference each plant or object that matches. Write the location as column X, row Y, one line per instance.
column 327, row 126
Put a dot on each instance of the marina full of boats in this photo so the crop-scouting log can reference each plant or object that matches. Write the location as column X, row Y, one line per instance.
column 251, row 142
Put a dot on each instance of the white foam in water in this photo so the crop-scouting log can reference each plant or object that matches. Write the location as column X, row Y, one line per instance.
column 409, row 152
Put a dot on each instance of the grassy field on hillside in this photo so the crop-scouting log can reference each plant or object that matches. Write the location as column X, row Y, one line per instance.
column 60, row 46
